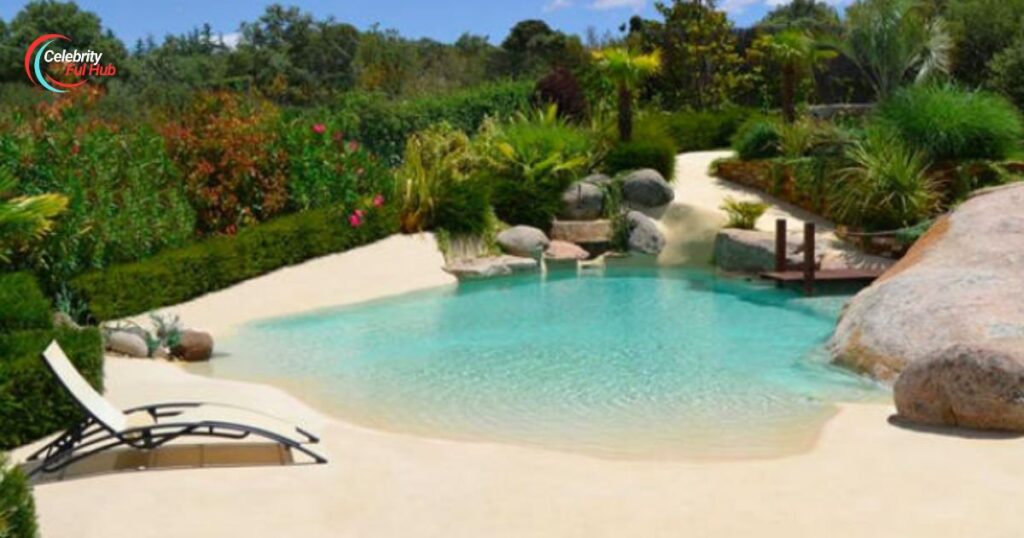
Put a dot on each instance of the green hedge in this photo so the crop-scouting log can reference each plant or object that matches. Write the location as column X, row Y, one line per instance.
column 17, row 510
column 705, row 130
column 181, row 274
column 656, row 153
column 24, row 305
column 33, row 404
column 383, row 126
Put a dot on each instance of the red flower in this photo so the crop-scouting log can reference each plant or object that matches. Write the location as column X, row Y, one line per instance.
column 355, row 219
column 378, row 200
column 360, row 213
column 319, row 128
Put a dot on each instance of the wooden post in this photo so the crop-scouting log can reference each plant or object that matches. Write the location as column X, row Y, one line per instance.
column 780, row 245
column 809, row 258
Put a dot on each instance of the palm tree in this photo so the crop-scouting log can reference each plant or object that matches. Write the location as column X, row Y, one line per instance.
column 627, row 70
column 893, row 41
column 26, row 217
column 797, row 55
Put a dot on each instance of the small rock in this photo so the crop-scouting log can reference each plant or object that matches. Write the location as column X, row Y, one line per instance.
column 582, row 201
column 64, row 321
column 194, row 346
column 599, row 180
column 644, row 235
column 490, row 267
column 523, row 241
column 162, row 353
column 646, row 188
column 582, row 232
column 565, row 251
column 126, row 343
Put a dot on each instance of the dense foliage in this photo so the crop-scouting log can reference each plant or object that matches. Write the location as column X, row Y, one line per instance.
column 24, row 305
column 17, row 509
column 657, row 153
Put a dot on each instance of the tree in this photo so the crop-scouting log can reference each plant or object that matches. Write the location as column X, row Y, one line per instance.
column 699, row 49
column 627, row 70
column 24, row 218
column 808, row 15
column 1007, row 72
column 797, row 56
column 39, row 17
column 982, row 29
column 892, row 42
column 532, row 47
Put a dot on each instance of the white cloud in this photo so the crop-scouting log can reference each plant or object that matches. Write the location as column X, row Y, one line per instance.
column 230, row 40
column 637, row 5
column 555, row 5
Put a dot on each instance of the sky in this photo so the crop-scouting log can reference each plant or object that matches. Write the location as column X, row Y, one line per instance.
column 443, row 20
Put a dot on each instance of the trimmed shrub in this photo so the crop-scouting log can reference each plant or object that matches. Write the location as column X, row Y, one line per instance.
column 17, row 509
column 24, row 305
column 706, row 129
column 758, row 139
column 950, row 124
column 33, row 404
column 656, row 153
column 178, row 275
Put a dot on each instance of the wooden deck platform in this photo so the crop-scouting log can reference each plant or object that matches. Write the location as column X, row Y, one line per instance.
column 844, row 275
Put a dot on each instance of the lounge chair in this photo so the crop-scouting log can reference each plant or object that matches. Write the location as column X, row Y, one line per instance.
column 147, row 427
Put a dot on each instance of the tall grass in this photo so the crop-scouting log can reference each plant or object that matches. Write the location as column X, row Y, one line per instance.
column 948, row 123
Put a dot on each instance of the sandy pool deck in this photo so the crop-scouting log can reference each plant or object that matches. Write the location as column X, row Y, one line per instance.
column 864, row 477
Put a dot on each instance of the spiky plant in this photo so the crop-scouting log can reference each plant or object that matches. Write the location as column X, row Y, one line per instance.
column 797, row 55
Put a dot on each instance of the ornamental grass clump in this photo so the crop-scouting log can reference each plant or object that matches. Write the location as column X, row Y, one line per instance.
column 886, row 188
column 951, row 124
column 743, row 215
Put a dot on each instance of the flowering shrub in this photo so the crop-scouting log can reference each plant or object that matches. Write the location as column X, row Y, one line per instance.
column 326, row 169
column 234, row 172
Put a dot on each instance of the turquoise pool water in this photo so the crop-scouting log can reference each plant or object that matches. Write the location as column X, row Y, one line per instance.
column 632, row 363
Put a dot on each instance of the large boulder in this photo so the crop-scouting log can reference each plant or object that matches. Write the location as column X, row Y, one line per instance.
column 646, row 188
column 962, row 284
column 583, row 200
column 644, row 235
column 490, row 267
column 752, row 251
column 194, row 346
column 126, row 343
column 524, row 241
column 966, row 385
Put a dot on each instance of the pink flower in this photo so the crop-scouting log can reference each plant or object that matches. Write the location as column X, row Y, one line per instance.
column 360, row 213
column 355, row 220
column 319, row 128
column 352, row 146
column 378, row 200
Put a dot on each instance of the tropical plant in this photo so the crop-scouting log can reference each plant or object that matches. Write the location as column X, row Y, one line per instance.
column 627, row 70
column 529, row 162
column 439, row 183
column 797, row 55
column 951, row 124
column 24, row 218
column 886, row 188
column 743, row 215
column 894, row 41
column 758, row 138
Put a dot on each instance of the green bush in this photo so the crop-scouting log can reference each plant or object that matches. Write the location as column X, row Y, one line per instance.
column 440, row 185
column 383, row 126
column 178, row 275
column 949, row 124
column 706, row 129
column 1007, row 72
column 743, row 215
column 24, row 306
column 887, row 188
column 529, row 162
column 17, row 510
column 32, row 403
column 758, row 139
column 656, row 153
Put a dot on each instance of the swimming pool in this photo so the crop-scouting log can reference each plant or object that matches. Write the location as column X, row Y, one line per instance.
column 634, row 363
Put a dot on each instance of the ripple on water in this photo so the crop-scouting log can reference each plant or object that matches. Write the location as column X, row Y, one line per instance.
column 637, row 363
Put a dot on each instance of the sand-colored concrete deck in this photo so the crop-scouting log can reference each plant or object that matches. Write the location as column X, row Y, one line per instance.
column 865, row 477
